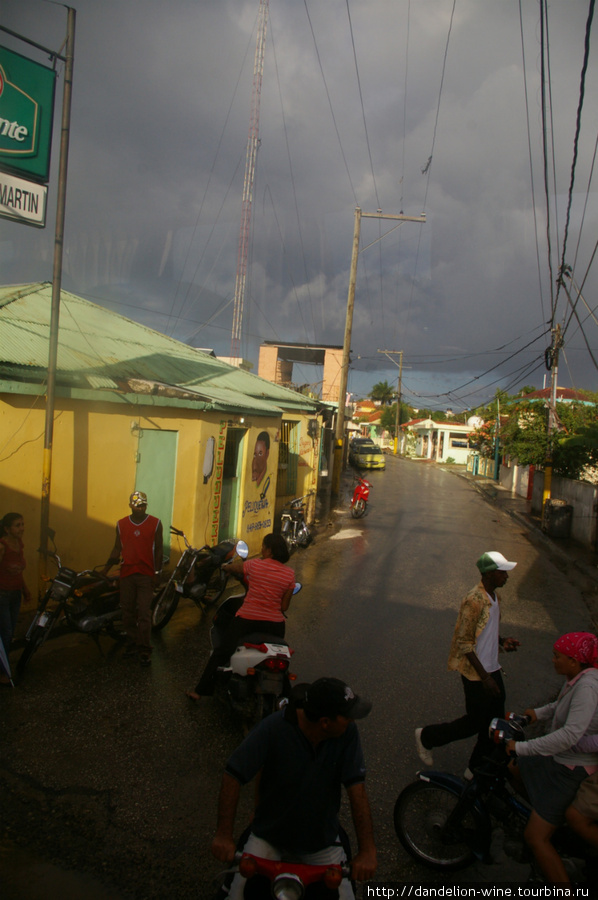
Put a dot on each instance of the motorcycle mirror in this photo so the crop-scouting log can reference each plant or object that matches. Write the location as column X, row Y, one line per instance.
column 242, row 549
column 297, row 587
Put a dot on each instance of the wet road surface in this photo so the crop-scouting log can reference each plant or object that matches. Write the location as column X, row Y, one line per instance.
column 109, row 774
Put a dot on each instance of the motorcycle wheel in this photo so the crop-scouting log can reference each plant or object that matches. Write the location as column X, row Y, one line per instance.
column 358, row 509
column 420, row 814
column 304, row 536
column 215, row 588
column 266, row 704
column 288, row 540
column 164, row 604
column 38, row 636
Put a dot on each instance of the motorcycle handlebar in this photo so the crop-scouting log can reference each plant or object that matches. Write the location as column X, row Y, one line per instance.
column 268, row 863
column 298, row 500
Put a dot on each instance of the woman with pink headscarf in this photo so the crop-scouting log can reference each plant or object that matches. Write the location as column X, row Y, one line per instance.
column 553, row 766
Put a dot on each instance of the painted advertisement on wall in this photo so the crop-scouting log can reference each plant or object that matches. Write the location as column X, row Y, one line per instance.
column 260, row 483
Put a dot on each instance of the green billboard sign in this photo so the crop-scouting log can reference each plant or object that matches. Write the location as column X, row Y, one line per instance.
column 26, row 115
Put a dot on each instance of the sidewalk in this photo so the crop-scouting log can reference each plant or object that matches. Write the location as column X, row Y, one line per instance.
column 581, row 561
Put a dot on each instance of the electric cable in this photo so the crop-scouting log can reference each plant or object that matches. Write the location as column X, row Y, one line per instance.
column 582, row 88
column 340, row 143
column 203, row 199
column 427, row 168
column 294, row 187
column 531, row 164
column 545, row 153
column 365, row 127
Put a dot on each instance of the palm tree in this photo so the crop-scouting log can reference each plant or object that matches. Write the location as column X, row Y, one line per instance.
column 383, row 392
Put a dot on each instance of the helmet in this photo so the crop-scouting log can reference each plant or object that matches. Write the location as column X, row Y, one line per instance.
column 137, row 500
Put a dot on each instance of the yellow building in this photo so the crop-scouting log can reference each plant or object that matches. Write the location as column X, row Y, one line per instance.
column 135, row 409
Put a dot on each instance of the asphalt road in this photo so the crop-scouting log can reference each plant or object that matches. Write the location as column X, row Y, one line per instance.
column 109, row 777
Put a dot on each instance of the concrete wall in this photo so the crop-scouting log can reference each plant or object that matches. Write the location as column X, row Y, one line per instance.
column 581, row 495
column 267, row 363
column 333, row 363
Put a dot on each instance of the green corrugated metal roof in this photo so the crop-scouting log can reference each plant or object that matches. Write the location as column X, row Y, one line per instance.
column 100, row 349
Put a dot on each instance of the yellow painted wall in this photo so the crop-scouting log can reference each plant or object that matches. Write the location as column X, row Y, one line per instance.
column 307, row 469
column 94, row 468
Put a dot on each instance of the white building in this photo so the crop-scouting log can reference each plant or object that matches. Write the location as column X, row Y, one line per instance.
column 440, row 441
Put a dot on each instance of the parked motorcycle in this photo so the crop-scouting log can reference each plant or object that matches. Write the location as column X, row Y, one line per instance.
column 447, row 822
column 293, row 527
column 257, row 676
column 86, row 601
column 197, row 575
column 359, row 500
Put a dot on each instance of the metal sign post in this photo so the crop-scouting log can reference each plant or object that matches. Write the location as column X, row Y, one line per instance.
column 56, row 288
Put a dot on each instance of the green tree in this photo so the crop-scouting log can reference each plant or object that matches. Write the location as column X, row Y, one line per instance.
column 388, row 417
column 574, row 445
column 382, row 392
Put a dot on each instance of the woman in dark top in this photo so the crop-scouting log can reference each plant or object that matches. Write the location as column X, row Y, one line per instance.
column 12, row 584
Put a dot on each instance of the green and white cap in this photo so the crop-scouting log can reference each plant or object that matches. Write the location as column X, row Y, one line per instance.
column 491, row 561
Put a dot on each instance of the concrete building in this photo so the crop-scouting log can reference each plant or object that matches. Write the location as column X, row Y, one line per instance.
column 135, row 409
column 276, row 364
column 439, row 441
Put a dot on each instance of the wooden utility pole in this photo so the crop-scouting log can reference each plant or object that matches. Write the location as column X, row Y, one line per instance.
column 390, row 354
column 342, row 399
column 552, row 355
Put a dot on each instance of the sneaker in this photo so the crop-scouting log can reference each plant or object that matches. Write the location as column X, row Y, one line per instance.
column 424, row 754
column 145, row 659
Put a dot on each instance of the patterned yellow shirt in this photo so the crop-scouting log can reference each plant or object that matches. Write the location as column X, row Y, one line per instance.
column 471, row 621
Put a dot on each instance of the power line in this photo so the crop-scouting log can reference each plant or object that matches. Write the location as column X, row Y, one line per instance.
column 531, row 164
column 584, row 70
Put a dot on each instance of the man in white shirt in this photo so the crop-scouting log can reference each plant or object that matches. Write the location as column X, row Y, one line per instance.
column 474, row 654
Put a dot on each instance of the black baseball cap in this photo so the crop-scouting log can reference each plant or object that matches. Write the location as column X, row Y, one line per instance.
column 331, row 697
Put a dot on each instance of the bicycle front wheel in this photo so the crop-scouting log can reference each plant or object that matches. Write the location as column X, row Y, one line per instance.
column 421, row 815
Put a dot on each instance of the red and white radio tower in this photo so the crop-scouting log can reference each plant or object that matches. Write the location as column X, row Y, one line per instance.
column 250, row 163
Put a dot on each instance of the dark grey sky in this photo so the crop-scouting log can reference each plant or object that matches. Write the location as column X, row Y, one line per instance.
column 356, row 97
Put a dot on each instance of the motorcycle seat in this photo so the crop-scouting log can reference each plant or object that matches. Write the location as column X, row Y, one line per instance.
column 261, row 637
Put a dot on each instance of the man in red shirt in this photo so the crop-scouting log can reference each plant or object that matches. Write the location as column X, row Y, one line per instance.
column 139, row 542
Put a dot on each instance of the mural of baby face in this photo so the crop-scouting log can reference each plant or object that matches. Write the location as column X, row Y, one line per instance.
column 261, row 453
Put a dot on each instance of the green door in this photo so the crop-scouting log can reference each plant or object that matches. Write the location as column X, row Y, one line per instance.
column 155, row 476
column 231, row 482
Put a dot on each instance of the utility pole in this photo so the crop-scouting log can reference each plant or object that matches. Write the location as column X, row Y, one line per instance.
column 390, row 354
column 342, row 399
column 497, row 442
column 69, row 57
column 552, row 363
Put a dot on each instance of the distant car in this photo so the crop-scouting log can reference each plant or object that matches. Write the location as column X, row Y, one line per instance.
column 361, row 442
column 368, row 457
